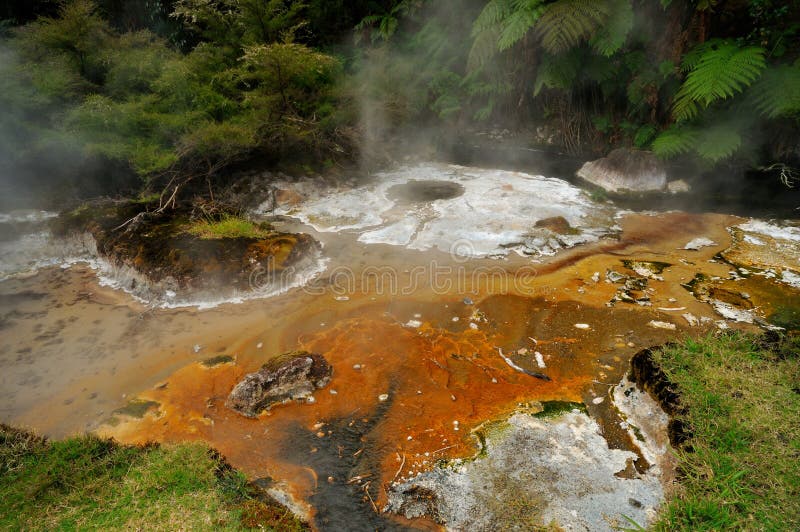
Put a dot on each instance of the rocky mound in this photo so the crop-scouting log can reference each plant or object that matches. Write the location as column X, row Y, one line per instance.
column 164, row 249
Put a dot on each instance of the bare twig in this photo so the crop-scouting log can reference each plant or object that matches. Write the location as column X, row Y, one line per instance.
column 402, row 465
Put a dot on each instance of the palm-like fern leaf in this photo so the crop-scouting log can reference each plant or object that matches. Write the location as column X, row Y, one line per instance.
column 566, row 23
column 674, row 141
column 557, row 72
column 777, row 93
column 718, row 142
column 493, row 13
column 719, row 70
column 613, row 34
column 522, row 19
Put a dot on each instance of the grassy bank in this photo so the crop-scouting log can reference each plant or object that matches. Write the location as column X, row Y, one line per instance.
column 740, row 468
column 87, row 482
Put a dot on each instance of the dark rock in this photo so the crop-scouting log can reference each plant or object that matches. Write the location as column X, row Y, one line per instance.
column 625, row 170
column 290, row 376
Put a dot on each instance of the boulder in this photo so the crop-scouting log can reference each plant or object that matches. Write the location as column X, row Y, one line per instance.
column 626, row 170
column 678, row 186
column 291, row 376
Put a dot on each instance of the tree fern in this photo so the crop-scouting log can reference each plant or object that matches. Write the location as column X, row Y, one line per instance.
column 610, row 38
column 566, row 23
column 717, row 70
column 777, row 93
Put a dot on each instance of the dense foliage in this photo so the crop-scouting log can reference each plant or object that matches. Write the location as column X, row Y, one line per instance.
column 176, row 90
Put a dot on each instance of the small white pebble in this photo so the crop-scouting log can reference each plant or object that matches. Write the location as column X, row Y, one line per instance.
column 333, row 392
column 598, row 400
column 356, row 367
column 473, row 325
column 383, row 397
column 311, row 399
column 582, row 326
column 259, row 345
column 455, row 318
column 409, row 438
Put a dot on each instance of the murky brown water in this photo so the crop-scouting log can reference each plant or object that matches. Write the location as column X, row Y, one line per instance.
column 73, row 352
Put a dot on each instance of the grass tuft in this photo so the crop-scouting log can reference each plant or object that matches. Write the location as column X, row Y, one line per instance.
column 92, row 483
column 228, row 227
column 740, row 467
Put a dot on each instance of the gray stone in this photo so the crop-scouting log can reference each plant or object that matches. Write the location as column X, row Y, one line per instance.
column 291, row 376
column 625, row 170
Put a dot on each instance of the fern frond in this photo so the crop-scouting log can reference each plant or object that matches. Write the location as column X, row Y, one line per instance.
column 720, row 71
column 557, row 72
column 566, row 23
column 644, row 135
column 484, row 47
column 493, row 13
column 519, row 22
column 777, row 93
column 718, row 142
column 614, row 33
column 674, row 141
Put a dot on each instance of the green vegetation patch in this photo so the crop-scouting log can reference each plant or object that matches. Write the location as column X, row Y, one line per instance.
column 740, row 468
column 557, row 408
column 217, row 360
column 228, row 227
column 91, row 483
column 137, row 408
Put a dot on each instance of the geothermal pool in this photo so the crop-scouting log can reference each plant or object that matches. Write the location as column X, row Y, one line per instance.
column 450, row 318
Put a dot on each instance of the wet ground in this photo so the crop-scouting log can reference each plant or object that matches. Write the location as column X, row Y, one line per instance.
column 425, row 346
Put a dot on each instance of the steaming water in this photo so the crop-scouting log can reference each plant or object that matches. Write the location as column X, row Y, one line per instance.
column 493, row 212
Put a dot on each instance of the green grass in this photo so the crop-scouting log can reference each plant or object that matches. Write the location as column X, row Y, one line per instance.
column 87, row 482
column 740, row 469
column 228, row 227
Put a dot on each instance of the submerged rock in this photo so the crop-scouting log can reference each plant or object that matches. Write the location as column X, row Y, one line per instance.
column 291, row 376
column 625, row 170
column 557, row 224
